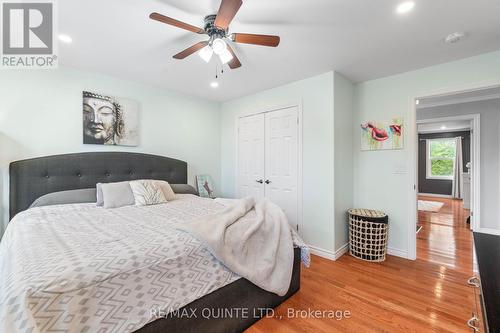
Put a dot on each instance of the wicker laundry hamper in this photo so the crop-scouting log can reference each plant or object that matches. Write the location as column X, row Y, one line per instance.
column 368, row 230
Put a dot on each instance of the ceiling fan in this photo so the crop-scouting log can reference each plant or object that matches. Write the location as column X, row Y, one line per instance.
column 217, row 28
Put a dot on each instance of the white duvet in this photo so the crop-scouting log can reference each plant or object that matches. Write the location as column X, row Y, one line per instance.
column 82, row 268
column 253, row 239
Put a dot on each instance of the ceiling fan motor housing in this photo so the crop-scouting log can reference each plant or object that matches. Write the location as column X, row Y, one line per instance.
column 211, row 29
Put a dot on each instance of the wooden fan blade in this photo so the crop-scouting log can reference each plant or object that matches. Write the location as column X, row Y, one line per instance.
column 175, row 23
column 227, row 11
column 235, row 62
column 264, row 40
column 190, row 50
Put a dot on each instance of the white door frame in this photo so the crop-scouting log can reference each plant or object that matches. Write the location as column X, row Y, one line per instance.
column 413, row 148
column 298, row 105
column 475, row 120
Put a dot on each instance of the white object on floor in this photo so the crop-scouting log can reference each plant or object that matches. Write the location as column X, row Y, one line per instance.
column 429, row 206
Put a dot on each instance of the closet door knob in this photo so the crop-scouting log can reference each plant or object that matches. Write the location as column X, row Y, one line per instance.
column 260, row 181
column 268, row 182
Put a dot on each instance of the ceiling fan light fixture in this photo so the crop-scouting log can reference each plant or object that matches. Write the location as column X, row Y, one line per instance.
column 225, row 56
column 219, row 45
column 206, row 53
column 216, row 27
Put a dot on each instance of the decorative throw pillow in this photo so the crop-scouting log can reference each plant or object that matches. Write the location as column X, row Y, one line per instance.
column 167, row 190
column 147, row 192
column 116, row 195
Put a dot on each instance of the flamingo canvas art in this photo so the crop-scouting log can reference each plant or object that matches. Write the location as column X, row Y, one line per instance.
column 380, row 135
column 205, row 186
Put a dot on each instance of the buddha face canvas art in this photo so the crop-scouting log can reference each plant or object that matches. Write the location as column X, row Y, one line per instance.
column 109, row 121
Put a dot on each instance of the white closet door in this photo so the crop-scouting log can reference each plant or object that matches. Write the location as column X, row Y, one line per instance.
column 281, row 160
column 251, row 156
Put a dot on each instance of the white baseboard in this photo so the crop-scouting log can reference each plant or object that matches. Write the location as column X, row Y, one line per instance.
column 334, row 255
column 322, row 252
column 343, row 250
column 489, row 231
column 327, row 254
column 397, row 252
column 436, row 195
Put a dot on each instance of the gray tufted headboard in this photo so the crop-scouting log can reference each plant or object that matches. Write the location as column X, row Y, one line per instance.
column 32, row 178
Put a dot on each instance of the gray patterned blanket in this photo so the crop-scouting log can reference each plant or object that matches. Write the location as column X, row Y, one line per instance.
column 82, row 268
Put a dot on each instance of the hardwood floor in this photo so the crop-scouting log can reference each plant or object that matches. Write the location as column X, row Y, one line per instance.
column 445, row 237
column 429, row 294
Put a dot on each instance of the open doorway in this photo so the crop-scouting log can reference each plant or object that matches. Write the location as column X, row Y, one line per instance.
column 455, row 182
column 445, row 158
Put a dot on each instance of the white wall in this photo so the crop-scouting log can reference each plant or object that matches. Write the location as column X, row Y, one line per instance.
column 381, row 178
column 490, row 152
column 41, row 114
column 343, row 157
column 316, row 97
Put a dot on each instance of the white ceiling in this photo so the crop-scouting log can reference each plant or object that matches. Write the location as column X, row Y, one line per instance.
column 362, row 39
column 449, row 126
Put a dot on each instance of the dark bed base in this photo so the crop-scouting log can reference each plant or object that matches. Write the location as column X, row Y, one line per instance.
column 240, row 294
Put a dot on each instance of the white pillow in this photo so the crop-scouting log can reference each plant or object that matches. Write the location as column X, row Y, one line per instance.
column 166, row 189
column 147, row 192
column 116, row 195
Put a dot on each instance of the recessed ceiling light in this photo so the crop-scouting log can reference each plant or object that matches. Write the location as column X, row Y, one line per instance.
column 65, row 39
column 405, row 7
column 454, row 37
column 214, row 84
column 443, row 127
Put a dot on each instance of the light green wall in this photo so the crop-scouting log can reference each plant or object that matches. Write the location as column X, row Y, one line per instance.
column 49, row 122
column 41, row 114
column 376, row 184
column 343, row 156
column 316, row 97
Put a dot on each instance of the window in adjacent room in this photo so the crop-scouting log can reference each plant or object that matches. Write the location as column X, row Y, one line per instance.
column 440, row 158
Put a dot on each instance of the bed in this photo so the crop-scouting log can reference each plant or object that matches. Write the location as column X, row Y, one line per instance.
column 30, row 179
